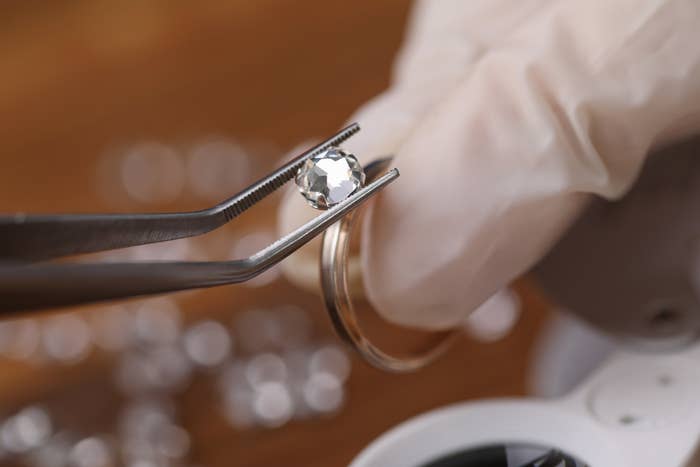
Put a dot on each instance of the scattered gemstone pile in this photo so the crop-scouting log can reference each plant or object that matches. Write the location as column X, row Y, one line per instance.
column 267, row 369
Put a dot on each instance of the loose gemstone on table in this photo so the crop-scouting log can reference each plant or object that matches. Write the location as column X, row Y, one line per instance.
column 330, row 177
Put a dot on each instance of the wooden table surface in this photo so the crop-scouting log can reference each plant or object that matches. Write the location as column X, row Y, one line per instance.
column 80, row 77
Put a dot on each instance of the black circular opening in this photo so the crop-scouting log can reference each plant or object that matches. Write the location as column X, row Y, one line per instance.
column 507, row 455
column 665, row 316
column 667, row 319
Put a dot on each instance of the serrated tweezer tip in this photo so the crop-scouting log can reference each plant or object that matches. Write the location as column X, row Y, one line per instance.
column 272, row 182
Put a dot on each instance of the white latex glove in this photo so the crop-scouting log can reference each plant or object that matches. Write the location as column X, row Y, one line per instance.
column 504, row 116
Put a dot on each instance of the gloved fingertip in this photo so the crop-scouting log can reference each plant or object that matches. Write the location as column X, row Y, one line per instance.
column 495, row 318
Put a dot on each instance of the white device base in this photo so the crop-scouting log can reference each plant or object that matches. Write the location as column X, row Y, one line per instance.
column 637, row 410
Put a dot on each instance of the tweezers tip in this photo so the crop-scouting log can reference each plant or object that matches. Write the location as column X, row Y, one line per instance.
column 290, row 242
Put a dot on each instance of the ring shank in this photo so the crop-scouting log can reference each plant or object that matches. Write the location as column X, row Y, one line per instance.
column 336, row 295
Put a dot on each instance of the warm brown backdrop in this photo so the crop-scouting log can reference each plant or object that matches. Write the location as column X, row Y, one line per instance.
column 77, row 77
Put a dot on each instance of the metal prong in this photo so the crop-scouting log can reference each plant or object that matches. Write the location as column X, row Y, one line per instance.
column 27, row 287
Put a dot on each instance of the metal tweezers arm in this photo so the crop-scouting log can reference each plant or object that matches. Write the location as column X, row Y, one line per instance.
column 27, row 285
column 35, row 286
column 41, row 237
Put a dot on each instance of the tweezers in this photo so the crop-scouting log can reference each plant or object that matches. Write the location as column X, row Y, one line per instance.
column 27, row 283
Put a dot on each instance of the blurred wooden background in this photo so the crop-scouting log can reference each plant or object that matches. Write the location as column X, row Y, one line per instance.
column 79, row 77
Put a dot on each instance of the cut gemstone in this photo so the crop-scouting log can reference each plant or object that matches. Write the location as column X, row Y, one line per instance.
column 329, row 177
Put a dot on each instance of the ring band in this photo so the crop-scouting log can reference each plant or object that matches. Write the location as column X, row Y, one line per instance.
column 336, row 295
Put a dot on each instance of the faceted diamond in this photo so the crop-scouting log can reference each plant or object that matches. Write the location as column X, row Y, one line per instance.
column 329, row 177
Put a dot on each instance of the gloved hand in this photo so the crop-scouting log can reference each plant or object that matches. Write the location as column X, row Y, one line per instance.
column 504, row 116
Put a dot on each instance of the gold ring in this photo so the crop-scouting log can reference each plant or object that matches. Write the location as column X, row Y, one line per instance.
column 336, row 295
